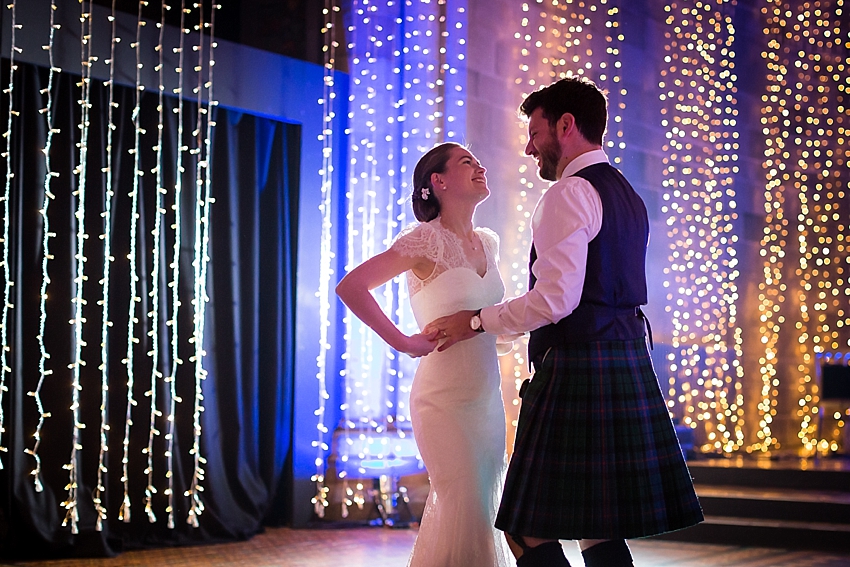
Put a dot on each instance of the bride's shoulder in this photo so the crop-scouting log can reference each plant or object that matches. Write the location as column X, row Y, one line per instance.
column 418, row 239
column 489, row 234
column 417, row 231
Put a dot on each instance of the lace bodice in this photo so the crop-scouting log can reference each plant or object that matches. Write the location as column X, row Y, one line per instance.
column 443, row 247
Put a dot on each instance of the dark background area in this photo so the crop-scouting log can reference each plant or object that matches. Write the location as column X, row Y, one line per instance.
column 287, row 27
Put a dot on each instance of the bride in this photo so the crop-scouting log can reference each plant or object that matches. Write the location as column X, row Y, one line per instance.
column 455, row 401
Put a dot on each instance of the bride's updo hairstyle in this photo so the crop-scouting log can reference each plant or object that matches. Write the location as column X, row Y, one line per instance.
column 426, row 206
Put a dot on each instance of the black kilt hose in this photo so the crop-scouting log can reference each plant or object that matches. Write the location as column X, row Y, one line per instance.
column 596, row 455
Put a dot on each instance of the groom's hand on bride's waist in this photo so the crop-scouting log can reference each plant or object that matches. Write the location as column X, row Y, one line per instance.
column 451, row 329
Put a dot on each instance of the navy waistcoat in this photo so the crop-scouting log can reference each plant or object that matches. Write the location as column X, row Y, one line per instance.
column 615, row 279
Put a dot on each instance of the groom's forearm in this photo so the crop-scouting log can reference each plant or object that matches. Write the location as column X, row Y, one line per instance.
column 510, row 317
column 559, row 270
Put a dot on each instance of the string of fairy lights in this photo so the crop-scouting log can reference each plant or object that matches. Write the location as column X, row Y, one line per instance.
column 195, row 504
column 204, row 202
column 135, row 278
column 43, row 371
column 156, row 258
column 330, row 13
column 105, row 323
column 4, row 335
column 177, row 226
column 71, row 503
column 803, row 297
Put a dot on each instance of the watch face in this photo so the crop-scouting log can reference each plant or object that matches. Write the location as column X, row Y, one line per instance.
column 475, row 322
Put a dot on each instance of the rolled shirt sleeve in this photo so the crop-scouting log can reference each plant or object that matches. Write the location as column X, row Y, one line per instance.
column 567, row 217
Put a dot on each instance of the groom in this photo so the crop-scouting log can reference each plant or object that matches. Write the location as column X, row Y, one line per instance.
column 596, row 458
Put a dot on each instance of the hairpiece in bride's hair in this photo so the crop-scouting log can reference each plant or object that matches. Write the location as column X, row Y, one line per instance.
column 425, row 193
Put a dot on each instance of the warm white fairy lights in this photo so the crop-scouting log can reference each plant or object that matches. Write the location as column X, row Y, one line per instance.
column 557, row 40
column 560, row 39
column 43, row 371
column 153, row 314
column 203, row 204
column 171, row 379
column 803, row 298
column 80, row 292
column 105, row 323
column 776, row 236
column 320, row 500
column 196, row 504
column 71, row 503
column 700, row 116
column 4, row 347
column 156, row 258
column 132, row 320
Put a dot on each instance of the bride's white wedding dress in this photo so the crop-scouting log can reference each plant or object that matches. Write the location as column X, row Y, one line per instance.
column 456, row 407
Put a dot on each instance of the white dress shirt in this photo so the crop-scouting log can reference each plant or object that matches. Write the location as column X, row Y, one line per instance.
column 567, row 217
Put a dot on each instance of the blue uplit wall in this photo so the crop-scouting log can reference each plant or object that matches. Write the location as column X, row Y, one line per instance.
column 407, row 93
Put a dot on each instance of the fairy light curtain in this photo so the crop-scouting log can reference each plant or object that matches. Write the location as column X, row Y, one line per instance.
column 112, row 382
column 706, row 370
column 699, row 114
column 407, row 82
column 804, row 295
column 552, row 40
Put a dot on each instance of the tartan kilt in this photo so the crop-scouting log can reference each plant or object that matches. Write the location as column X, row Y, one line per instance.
column 596, row 455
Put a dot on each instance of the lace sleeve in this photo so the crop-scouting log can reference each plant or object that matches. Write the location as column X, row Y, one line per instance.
column 491, row 241
column 418, row 241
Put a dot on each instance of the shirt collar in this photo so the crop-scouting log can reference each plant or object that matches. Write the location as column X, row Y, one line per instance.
column 588, row 158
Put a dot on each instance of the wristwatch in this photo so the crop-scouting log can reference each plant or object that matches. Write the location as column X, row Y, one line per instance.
column 475, row 322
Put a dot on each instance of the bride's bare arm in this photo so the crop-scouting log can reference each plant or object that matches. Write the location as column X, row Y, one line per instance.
column 355, row 291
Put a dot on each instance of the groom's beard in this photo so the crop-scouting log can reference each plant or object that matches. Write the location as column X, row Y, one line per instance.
column 549, row 154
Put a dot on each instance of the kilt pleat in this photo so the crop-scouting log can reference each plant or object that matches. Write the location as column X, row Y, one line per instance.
column 596, row 455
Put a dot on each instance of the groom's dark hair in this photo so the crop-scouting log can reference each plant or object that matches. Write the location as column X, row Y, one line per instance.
column 577, row 95
column 426, row 207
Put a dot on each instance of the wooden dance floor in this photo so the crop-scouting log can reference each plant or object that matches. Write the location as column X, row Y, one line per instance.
column 379, row 547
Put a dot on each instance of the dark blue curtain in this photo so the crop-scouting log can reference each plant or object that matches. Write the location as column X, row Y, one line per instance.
column 247, row 423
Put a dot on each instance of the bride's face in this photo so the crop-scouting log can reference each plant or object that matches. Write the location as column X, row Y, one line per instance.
column 464, row 176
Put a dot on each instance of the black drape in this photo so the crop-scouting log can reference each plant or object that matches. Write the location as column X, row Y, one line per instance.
column 246, row 431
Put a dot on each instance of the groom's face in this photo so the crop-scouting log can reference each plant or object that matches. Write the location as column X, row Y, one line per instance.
column 543, row 145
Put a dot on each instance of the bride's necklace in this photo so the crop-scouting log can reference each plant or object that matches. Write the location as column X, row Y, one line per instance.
column 464, row 238
column 470, row 240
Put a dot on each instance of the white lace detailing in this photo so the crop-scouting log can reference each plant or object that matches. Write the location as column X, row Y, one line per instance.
column 490, row 240
column 419, row 240
column 441, row 246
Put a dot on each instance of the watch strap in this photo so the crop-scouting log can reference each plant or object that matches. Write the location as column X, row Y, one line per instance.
column 480, row 327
